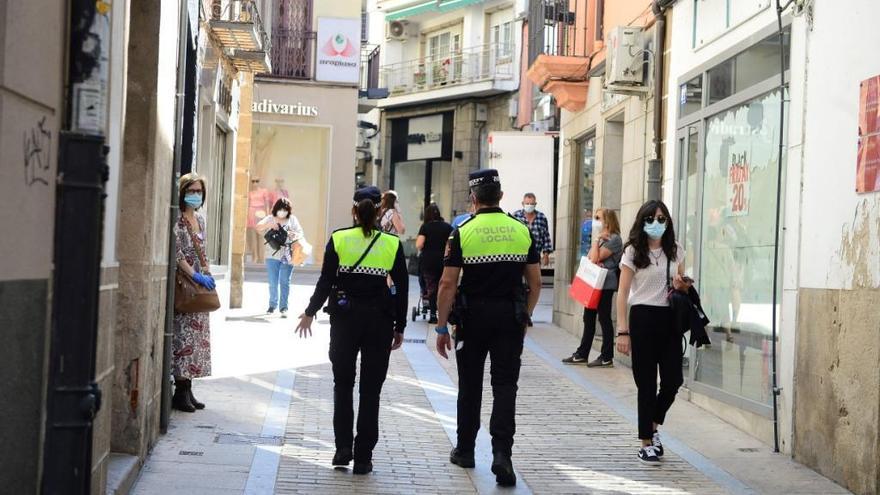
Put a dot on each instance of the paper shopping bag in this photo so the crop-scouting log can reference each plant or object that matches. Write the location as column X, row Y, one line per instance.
column 586, row 288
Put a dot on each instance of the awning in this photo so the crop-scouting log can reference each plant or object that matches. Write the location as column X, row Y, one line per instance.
column 436, row 6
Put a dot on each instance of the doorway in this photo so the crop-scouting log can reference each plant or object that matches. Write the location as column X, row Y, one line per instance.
column 419, row 183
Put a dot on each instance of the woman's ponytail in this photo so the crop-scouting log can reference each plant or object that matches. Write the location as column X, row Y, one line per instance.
column 366, row 211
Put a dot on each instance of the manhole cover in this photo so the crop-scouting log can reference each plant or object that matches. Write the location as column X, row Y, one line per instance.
column 242, row 439
column 414, row 341
column 191, row 452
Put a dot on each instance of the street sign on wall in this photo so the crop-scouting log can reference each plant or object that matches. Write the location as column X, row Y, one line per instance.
column 338, row 55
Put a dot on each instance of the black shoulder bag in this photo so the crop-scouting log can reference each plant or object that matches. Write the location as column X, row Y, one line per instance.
column 339, row 301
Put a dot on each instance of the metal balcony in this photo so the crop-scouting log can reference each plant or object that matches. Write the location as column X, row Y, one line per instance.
column 467, row 66
column 238, row 27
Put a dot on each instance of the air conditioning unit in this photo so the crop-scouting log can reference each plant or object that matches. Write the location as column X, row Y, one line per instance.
column 398, row 30
column 625, row 53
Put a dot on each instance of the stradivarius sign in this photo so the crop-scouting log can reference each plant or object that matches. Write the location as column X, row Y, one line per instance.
column 297, row 109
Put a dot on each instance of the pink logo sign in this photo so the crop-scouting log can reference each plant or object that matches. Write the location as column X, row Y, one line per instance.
column 338, row 46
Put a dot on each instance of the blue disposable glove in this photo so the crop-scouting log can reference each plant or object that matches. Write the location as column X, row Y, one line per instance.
column 204, row 280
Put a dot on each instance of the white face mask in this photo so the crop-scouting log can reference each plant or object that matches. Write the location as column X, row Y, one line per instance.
column 283, row 213
column 597, row 225
column 529, row 208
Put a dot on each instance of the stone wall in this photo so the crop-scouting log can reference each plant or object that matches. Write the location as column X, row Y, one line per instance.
column 837, row 386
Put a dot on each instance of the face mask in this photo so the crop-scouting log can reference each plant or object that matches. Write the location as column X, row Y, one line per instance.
column 283, row 213
column 193, row 200
column 529, row 208
column 655, row 229
column 397, row 205
column 597, row 225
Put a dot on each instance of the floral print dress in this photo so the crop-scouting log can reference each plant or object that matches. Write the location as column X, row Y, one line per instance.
column 191, row 343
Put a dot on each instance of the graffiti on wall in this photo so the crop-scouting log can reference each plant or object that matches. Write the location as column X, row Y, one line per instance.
column 37, row 145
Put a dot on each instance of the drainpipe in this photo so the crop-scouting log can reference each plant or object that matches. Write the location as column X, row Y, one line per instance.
column 173, row 211
column 655, row 166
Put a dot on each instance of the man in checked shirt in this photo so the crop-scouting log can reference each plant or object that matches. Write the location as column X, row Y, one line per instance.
column 537, row 223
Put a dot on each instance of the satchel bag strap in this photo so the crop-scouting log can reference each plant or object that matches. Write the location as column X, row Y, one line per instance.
column 197, row 244
column 364, row 255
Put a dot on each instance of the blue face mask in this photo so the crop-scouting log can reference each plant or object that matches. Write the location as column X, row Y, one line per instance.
column 193, row 200
column 655, row 229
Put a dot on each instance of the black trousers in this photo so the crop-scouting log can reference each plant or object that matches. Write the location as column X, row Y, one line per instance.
column 369, row 332
column 604, row 314
column 655, row 345
column 490, row 328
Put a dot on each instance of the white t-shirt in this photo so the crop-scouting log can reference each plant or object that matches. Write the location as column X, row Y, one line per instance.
column 649, row 284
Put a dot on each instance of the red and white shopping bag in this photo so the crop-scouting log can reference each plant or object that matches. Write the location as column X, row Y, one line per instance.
column 586, row 288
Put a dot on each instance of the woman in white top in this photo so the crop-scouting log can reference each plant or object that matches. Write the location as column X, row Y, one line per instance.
column 279, row 262
column 389, row 216
column 647, row 329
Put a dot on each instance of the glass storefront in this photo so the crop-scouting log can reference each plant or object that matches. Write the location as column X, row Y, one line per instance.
column 736, row 249
column 727, row 149
column 419, row 183
column 586, row 160
column 291, row 161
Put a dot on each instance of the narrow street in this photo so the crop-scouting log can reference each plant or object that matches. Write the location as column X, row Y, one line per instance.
column 268, row 424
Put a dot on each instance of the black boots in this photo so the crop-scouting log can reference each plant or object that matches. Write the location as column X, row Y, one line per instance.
column 502, row 468
column 183, row 398
column 462, row 458
column 342, row 457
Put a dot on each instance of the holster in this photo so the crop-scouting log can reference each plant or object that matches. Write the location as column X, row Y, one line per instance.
column 521, row 305
column 458, row 315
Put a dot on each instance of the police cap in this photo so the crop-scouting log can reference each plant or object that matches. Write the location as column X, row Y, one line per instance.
column 484, row 177
column 370, row 192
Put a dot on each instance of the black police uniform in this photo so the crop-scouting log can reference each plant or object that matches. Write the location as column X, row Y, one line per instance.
column 367, row 327
column 492, row 322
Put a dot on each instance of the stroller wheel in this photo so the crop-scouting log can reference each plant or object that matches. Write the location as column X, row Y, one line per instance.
column 415, row 314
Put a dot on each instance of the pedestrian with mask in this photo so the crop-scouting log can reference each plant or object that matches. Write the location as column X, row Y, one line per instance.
column 606, row 252
column 538, row 226
column 279, row 262
column 191, row 341
column 652, row 266
column 365, row 319
column 493, row 253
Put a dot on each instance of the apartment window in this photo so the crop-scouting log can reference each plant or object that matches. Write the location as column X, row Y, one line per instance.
column 502, row 40
column 712, row 18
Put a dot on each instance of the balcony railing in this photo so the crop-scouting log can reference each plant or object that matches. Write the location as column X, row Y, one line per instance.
column 292, row 53
column 370, row 87
column 238, row 26
column 469, row 65
column 558, row 27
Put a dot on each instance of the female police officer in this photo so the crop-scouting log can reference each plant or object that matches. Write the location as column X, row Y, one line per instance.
column 364, row 317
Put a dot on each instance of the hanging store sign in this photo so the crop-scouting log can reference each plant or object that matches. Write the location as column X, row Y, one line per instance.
column 338, row 58
column 868, row 156
column 738, row 180
column 297, row 109
column 425, row 137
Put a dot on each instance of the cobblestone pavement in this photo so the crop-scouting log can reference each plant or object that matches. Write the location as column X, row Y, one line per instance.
column 412, row 454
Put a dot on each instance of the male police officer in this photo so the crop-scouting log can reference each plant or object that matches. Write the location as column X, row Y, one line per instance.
column 494, row 251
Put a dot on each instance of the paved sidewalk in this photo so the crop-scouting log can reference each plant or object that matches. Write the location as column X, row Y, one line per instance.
column 575, row 426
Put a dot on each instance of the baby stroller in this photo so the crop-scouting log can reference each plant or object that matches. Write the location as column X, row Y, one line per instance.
column 423, row 307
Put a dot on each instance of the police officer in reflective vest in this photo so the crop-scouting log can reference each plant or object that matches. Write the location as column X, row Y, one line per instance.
column 365, row 318
column 493, row 251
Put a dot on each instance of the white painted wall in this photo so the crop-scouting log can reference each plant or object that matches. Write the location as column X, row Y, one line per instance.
column 832, row 213
column 118, row 70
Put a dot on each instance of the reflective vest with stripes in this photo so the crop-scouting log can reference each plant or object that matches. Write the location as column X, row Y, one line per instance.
column 494, row 237
column 350, row 244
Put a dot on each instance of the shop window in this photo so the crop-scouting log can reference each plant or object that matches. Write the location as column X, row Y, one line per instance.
column 737, row 246
column 690, row 96
column 586, row 165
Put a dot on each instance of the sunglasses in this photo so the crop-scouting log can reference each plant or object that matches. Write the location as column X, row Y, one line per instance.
column 651, row 218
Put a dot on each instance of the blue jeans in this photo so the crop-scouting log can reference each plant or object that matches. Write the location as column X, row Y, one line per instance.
column 279, row 274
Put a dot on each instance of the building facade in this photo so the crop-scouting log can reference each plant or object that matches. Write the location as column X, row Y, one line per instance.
column 450, row 71
column 301, row 139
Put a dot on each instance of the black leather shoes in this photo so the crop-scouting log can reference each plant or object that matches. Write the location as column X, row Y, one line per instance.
column 342, row 457
column 461, row 458
column 502, row 467
column 362, row 467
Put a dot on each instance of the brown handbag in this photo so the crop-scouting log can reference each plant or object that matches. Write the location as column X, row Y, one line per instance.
column 190, row 297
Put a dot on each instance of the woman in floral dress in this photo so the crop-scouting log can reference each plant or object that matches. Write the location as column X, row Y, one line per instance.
column 191, row 343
